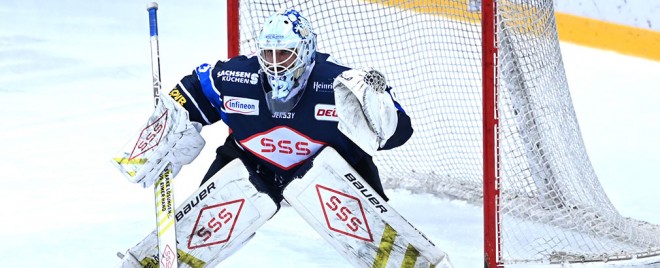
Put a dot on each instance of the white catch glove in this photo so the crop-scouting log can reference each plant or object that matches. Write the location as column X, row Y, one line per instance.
column 167, row 137
column 366, row 111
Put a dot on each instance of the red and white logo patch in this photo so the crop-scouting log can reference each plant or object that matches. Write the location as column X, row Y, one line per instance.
column 168, row 258
column 325, row 112
column 344, row 213
column 150, row 136
column 282, row 146
column 215, row 224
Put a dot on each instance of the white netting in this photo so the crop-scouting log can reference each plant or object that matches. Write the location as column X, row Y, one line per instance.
column 553, row 208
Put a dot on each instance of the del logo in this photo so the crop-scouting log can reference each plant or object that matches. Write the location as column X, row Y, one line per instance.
column 282, row 146
column 150, row 136
column 344, row 213
column 236, row 105
column 215, row 224
column 325, row 112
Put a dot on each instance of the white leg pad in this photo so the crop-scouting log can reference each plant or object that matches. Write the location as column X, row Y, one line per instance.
column 355, row 220
column 214, row 222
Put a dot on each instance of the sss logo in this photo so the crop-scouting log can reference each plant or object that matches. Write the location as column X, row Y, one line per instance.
column 282, row 146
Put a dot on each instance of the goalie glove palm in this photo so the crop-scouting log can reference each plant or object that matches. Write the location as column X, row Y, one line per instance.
column 363, row 101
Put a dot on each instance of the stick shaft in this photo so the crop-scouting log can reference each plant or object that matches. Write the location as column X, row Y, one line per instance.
column 163, row 193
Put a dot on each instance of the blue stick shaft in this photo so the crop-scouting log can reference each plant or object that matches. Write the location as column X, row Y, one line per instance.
column 153, row 20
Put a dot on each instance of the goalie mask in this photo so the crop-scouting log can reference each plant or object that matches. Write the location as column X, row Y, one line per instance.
column 286, row 46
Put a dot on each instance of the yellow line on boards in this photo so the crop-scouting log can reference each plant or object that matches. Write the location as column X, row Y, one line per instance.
column 610, row 36
column 452, row 9
column 579, row 30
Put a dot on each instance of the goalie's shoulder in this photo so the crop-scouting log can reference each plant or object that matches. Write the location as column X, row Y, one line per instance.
column 325, row 71
column 241, row 62
column 238, row 63
column 327, row 61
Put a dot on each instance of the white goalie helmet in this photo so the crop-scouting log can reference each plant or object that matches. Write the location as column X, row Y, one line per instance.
column 287, row 46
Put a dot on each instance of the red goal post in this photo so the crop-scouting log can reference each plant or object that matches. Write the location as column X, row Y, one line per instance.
column 491, row 195
column 485, row 86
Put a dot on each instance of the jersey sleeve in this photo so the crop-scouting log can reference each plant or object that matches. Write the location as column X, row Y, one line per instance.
column 403, row 130
column 190, row 93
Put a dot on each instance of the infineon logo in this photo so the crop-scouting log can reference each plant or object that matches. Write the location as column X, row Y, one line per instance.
column 236, row 105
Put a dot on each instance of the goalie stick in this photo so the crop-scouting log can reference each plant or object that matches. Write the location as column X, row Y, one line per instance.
column 163, row 194
column 220, row 217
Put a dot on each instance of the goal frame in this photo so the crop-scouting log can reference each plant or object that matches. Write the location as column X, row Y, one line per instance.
column 491, row 183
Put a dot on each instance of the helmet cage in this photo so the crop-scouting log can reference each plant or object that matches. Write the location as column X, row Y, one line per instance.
column 286, row 50
column 278, row 61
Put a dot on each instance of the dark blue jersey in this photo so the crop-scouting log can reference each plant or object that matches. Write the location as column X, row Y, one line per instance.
column 233, row 91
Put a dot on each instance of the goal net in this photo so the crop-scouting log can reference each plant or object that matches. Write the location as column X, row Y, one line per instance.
column 551, row 207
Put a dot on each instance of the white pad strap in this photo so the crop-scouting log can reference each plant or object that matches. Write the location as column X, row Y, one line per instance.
column 355, row 220
column 215, row 221
column 168, row 136
column 365, row 109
